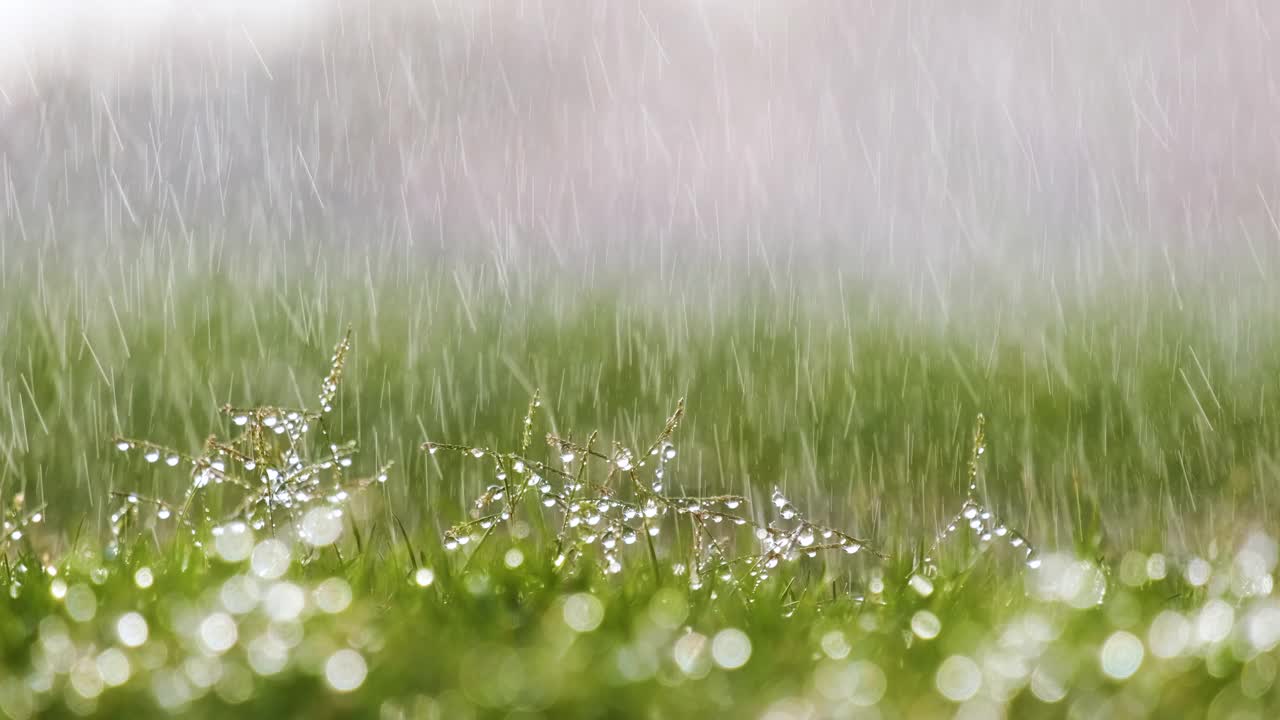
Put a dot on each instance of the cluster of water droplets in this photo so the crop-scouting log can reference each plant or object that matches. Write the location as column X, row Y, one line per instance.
column 269, row 462
column 794, row 536
column 986, row 529
column 16, row 519
column 974, row 516
column 628, row 505
column 607, row 516
column 664, row 453
column 337, row 363
column 601, row 517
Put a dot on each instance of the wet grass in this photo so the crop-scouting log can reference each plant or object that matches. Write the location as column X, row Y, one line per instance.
column 1131, row 439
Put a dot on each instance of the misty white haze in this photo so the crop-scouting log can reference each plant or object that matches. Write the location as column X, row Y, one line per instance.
column 1013, row 144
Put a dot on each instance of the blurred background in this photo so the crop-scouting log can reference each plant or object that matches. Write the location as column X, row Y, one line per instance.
column 1063, row 143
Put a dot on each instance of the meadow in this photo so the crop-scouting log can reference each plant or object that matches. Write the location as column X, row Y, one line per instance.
column 720, row 502
column 666, row 358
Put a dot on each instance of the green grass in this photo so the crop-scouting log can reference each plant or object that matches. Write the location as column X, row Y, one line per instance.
column 1122, row 424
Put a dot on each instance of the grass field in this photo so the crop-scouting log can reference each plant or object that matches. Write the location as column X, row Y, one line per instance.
column 1131, row 439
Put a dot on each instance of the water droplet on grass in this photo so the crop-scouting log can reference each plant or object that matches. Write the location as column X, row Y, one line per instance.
column 218, row 633
column 1121, row 655
column 321, row 526
column 583, row 612
column 345, row 670
column 921, row 585
column 233, row 542
column 731, row 648
column 270, row 559
column 132, row 629
column 81, row 603
column 958, row 678
column 925, row 625
column 284, row 602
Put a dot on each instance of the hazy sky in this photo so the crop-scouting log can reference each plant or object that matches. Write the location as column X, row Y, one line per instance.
column 1059, row 138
